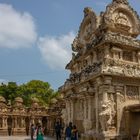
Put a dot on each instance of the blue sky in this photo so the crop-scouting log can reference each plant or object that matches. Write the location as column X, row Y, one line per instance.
column 36, row 37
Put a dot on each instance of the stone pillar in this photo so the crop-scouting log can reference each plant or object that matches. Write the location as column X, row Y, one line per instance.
column 117, row 53
column 85, row 103
column 119, row 100
column 90, row 108
column 72, row 110
column 40, row 121
column 68, row 110
column 3, row 122
column 98, row 83
column 107, row 55
column 23, row 122
column 15, row 122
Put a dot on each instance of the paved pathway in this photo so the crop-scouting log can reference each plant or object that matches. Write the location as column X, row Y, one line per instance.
column 20, row 138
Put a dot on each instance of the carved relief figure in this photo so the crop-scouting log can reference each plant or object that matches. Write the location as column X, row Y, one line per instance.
column 121, row 18
column 122, row 21
column 107, row 114
column 132, row 92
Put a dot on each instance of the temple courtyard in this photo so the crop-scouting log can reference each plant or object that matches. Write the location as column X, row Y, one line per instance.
column 20, row 138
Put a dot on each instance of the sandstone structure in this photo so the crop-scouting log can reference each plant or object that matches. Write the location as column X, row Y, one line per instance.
column 102, row 93
column 16, row 119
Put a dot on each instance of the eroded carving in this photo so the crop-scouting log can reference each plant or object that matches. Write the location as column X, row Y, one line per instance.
column 107, row 114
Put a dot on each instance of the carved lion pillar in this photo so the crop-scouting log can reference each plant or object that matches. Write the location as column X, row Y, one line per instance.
column 88, row 122
column 5, row 124
column 2, row 122
column 23, row 122
column 85, row 103
column 68, row 106
column 98, row 83
column 15, row 122
column 90, row 108
column 119, row 100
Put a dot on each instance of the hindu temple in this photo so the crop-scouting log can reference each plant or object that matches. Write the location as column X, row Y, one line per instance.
column 102, row 93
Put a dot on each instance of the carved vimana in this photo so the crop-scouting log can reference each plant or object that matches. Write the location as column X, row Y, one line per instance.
column 102, row 93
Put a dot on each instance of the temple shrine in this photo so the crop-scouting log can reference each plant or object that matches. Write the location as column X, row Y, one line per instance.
column 16, row 119
column 102, row 93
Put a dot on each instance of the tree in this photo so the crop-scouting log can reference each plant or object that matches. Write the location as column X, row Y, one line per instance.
column 33, row 89
column 37, row 89
column 9, row 91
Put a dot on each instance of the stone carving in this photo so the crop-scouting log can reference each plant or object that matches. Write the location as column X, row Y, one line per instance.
column 122, row 21
column 87, row 125
column 121, row 39
column 107, row 57
column 115, row 6
column 132, row 92
column 121, row 68
column 14, row 115
column 107, row 114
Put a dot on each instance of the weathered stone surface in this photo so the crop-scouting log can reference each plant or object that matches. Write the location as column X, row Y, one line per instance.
column 102, row 93
column 16, row 119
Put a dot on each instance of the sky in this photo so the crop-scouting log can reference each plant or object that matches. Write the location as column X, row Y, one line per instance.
column 36, row 37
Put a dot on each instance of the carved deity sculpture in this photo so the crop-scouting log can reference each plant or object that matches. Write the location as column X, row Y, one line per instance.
column 107, row 114
column 121, row 18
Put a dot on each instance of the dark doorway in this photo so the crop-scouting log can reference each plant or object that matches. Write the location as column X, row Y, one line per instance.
column 9, row 123
column 27, row 124
column 44, row 124
column 134, row 125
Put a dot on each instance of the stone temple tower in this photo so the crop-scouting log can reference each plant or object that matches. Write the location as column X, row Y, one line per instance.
column 102, row 93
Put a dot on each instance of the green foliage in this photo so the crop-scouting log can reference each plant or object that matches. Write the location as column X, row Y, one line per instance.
column 33, row 89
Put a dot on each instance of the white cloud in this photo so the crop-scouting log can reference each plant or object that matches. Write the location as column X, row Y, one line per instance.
column 56, row 51
column 3, row 81
column 16, row 29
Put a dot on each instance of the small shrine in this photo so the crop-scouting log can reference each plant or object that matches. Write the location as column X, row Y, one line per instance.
column 16, row 119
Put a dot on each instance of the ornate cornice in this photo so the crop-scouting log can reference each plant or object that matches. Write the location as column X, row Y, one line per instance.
column 121, row 39
column 121, row 68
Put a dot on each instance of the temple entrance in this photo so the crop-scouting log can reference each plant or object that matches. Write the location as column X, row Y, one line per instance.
column 135, row 125
column 134, row 121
